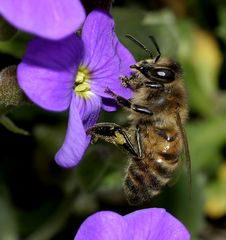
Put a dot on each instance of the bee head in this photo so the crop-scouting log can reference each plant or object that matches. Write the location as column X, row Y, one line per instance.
column 157, row 71
column 162, row 72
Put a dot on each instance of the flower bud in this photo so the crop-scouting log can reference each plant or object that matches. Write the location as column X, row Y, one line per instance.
column 10, row 93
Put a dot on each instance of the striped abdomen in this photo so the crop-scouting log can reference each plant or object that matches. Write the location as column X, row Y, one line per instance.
column 146, row 177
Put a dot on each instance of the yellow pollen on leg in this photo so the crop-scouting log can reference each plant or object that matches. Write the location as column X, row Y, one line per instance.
column 81, row 85
column 120, row 139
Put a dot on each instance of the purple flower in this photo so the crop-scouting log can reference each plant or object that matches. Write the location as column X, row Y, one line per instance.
column 146, row 224
column 74, row 73
column 52, row 19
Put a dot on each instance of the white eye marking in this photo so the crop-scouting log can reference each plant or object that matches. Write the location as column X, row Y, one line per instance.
column 161, row 73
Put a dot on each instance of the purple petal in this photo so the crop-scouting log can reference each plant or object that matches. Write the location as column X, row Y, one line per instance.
column 146, row 224
column 83, row 114
column 156, row 224
column 47, row 71
column 46, row 18
column 105, row 55
column 103, row 226
column 109, row 105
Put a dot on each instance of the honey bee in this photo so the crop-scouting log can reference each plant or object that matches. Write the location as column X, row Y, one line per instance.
column 155, row 138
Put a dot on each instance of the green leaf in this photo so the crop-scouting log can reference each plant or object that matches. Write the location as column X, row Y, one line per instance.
column 201, row 59
column 50, row 138
column 11, row 95
column 221, row 29
column 141, row 24
column 8, row 123
column 8, row 223
column 16, row 46
column 206, row 138
column 162, row 26
column 188, row 206
column 7, row 31
column 215, row 205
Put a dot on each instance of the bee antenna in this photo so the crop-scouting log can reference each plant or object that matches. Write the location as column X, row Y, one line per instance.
column 140, row 44
column 157, row 48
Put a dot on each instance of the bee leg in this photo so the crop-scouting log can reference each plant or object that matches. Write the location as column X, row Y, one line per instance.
column 127, row 104
column 125, row 81
column 155, row 85
column 130, row 81
column 113, row 133
column 139, row 142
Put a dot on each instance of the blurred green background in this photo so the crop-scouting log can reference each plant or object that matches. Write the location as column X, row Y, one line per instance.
column 40, row 201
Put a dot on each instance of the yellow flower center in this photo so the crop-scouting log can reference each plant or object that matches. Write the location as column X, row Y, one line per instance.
column 81, row 86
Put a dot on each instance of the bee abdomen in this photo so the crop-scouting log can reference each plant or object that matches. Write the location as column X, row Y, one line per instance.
column 145, row 178
column 143, row 181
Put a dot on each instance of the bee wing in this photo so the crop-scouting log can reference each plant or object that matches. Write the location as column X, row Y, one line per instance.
column 186, row 153
column 177, row 172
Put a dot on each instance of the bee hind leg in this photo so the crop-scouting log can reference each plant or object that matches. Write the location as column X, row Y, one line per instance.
column 115, row 134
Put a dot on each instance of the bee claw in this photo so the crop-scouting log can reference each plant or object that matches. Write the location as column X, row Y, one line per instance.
column 89, row 131
column 108, row 90
column 123, row 78
column 93, row 137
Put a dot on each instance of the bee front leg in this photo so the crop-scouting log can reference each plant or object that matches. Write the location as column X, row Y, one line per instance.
column 123, row 102
column 115, row 134
column 125, row 81
column 130, row 81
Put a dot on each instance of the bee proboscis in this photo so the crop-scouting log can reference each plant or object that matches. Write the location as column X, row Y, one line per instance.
column 155, row 138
